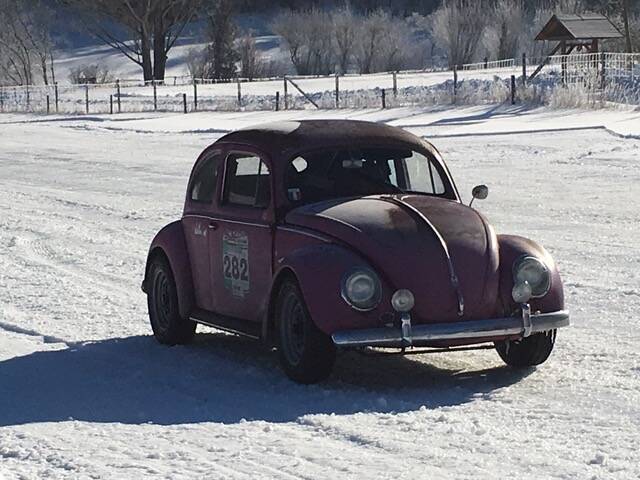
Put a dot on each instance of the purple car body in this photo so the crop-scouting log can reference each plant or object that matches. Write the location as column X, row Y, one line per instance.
column 229, row 259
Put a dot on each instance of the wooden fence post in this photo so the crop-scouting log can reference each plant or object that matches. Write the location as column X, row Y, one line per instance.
column 455, row 83
column 239, row 93
column 337, row 91
column 48, row 105
column 1, row 99
column 384, row 99
column 513, row 89
column 28, row 96
column 86, row 98
column 286, row 96
column 184, row 102
column 111, row 104
column 155, row 97
column 195, row 95
column 603, row 78
column 486, row 63
column 524, row 69
column 118, row 93
column 277, row 101
column 395, row 84
column 55, row 93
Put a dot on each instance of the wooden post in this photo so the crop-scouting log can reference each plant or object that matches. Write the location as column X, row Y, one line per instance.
column 239, row 93
column 86, row 98
column 455, row 83
column 563, row 46
column 277, row 101
column 111, row 104
column 395, row 84
column 513, row 89
column 155, row 96
column 184, row 102
column 118, row 93
column 337, row 91
column 524, row 69
column 603, row 78
column 1, row 98
column 55, row 93
column 28, row 96
column 48, row 105
column 286, row 96
column 486, row 63
column 384, row 99
column 195, row 95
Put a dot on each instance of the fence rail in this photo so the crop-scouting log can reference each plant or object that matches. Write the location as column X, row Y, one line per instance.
column 414, row 87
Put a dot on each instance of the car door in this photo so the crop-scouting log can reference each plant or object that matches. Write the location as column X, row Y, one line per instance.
column 241, row 249
column 196, row 222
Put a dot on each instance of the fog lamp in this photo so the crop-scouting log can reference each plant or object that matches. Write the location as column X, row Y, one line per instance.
column 402, row 301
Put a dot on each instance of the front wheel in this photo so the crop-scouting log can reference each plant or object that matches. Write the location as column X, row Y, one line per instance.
column 167, row 324
column 306, row 354
column 527, row 352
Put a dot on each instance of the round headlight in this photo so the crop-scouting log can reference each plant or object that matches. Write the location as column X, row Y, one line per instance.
column 532, row 271
column 361, row 289
column 403, row 301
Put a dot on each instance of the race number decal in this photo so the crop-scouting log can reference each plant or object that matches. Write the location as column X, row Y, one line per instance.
column 235, row 263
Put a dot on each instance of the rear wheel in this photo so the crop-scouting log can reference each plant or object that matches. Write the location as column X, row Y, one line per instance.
column 306, row 354
column 168, row 326
column 527, row 352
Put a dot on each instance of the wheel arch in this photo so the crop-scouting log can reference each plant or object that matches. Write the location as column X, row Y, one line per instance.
column 170, row 244
column 269, row 323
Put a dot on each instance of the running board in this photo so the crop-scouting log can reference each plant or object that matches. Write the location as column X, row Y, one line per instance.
column 227, row 324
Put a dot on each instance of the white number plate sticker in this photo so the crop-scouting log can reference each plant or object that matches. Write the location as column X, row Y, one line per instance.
column 235, row 263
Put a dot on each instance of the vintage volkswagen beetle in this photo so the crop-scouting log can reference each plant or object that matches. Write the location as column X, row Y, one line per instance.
column 319, row 235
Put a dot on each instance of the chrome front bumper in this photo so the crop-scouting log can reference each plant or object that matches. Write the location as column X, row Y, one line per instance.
column 423, row 335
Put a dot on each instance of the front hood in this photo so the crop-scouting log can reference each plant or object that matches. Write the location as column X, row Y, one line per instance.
column 407, row 253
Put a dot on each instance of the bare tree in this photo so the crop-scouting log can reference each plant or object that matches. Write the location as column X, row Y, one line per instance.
column 370, row 38
column 308, row 36
column 506, row 28
column 344, row 34
column 149, row 28
column 251, row 61
column 25, row 41
column 458, row 25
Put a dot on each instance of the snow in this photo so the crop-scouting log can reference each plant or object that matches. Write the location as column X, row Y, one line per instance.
column 85, row 391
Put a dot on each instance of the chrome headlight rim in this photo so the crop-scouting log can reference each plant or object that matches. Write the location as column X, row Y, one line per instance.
column 537, row 291
column 376, row 297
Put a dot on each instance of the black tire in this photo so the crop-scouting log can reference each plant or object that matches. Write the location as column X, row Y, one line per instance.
column 168, row 326
column 527, row 352
column 306, row 354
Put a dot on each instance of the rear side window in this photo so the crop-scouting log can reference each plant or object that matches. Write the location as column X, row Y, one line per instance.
column 247, row 181
column 203, row 185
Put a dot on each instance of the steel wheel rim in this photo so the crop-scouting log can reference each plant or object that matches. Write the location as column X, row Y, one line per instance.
column 162, row 300
column 293, row 329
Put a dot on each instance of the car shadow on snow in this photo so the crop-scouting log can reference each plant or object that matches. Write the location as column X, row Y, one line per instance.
column 221, row 378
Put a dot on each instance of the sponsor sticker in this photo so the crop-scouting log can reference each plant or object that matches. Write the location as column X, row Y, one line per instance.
column 235, row 263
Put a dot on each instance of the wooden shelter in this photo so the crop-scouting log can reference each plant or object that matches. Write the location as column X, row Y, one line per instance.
column 576, row 32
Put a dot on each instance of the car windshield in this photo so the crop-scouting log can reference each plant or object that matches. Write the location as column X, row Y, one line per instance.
column 347, row 172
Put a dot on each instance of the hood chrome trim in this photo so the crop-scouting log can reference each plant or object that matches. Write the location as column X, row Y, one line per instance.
column 453, row 278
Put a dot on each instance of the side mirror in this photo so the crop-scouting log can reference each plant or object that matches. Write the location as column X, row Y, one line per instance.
column 480, row 192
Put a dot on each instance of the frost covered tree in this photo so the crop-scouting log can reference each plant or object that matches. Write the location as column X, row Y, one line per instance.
column 458, row 27
column 251, row 61
column 26, row 45
column 345, row 30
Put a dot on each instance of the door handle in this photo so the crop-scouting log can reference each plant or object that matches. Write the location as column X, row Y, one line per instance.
column 213, row 226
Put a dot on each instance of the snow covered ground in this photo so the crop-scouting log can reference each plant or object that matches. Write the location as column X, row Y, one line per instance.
column 85, row 392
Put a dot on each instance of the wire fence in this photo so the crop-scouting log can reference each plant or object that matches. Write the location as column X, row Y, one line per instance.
column 484, row 82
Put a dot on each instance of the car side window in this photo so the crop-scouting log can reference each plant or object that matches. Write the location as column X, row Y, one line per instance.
column 422, row 175
column 203, row 185
column 247, row 181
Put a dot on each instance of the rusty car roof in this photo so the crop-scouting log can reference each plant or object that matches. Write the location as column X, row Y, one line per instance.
column 280, row 139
